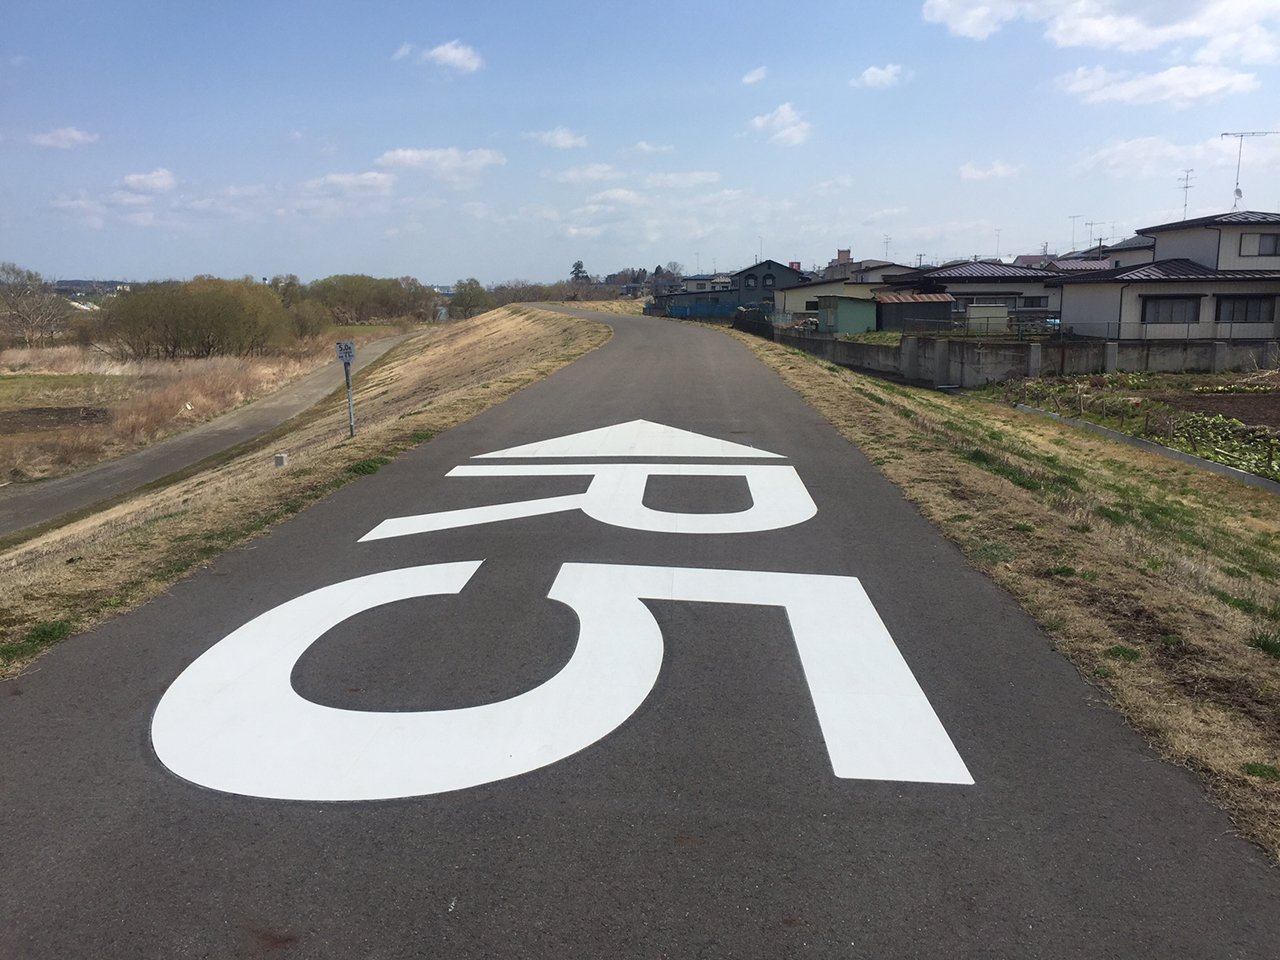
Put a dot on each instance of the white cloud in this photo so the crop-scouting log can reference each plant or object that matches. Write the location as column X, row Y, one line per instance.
column 461, row 168
column 618, row 195
column 141, row 218
column 787, row 128
column 125, row 198
column 877, row 78
column 680, row 180
column 756, row 75
column 834, row 185
column 1147, row 158
column 92, row 213
column 1178, row 86
column 455, row 55
column 998, row 170
column 562, row 138
column 372, row 184
column 644, row 146
column 402, row 51
column 159, row 180
column 591, row 173
column 1241, row 29
column 64, row 138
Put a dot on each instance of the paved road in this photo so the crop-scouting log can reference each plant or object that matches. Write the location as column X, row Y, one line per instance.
column 703, row 773
column 24, row 505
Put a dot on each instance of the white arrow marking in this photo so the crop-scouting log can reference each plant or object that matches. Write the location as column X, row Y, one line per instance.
column 639, row 438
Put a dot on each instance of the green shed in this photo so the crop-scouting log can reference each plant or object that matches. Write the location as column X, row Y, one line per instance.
column 839, row 315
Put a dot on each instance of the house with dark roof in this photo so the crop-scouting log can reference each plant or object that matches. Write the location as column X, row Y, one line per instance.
column 1211, row 278
column 753, row 286
column 1023, row 290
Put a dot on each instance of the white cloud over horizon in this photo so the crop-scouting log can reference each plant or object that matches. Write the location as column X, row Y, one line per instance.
column 998, row 170
column 785, row 126
column 878, row 78
column 1179, row 87
column 159, row 180
column 63, row 138
column 681, row 180
column 562, row 138
column 455, row 55
column 591, row 173
column 756, row 75
column 461, row 168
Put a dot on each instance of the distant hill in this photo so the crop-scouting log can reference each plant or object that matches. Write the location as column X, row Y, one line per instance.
column 87, row 288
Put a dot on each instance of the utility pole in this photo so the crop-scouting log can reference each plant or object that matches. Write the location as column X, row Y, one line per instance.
column 997, row 244
column 1185, row 180
column 1073, row 218
column 1240, row 156
column 760, row 259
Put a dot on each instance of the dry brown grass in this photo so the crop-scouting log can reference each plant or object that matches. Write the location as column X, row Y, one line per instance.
column 145, row 400
column 1150, row 575
column 631, row 308
column 79, row 574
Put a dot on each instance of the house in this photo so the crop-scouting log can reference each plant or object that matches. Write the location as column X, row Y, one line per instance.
column 1025, row 291
column 827, row 306
column 753, row 286
column 702, row 282
column 1215, row 278
column 1132, row 252
column 861, row 271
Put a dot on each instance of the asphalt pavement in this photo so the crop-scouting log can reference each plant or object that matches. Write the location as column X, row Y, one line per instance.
column 690, row 680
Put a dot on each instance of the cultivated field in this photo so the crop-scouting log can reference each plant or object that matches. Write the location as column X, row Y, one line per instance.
column 73, row 577
column 1160, row 581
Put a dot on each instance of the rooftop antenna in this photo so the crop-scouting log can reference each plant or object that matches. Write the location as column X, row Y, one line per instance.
column 997, row 244
column 697, row 262
column 1091, row 224
column 1240, row 155
column 1185, row 180
column 761, row 257
column 1073, row 218
column 887, row 238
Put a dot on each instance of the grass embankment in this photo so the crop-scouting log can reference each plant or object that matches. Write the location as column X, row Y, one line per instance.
column 67, row 407
column 71, row 578
column 1161, row 582
column 632, row 308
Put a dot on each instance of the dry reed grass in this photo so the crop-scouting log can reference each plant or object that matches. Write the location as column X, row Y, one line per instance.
column 1150, row 575
column 75, row 576
column 146, row 399
column 631, row 308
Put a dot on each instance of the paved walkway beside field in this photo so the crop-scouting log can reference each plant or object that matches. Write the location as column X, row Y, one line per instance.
column 24, row 505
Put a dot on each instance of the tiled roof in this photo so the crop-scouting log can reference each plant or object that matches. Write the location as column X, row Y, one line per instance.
column 1236, row 218
column 915, row 298
column 1169, row 270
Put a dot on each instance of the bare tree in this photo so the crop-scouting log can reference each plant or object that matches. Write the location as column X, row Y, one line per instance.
column 675, row 269
column 32, row 311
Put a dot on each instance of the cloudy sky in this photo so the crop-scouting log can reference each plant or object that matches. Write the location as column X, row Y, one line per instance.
column 506, row 140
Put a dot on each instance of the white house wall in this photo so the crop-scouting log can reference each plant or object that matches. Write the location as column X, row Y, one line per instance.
column 1198, row 244
column 1230, row 252
column 1095, row 309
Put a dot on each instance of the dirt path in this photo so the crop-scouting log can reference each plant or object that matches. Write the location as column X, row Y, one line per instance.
column 30, row 504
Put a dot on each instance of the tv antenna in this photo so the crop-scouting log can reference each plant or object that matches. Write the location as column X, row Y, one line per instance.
column 1091, row 224
column 1240, row 155
column 1073, row 218
column 887, row 238
column 1185, row 180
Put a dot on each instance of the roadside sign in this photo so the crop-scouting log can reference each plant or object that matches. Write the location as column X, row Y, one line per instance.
column 347, row 356
column 346, row 351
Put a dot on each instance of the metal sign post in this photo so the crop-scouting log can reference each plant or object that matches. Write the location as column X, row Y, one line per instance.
column 347, row 354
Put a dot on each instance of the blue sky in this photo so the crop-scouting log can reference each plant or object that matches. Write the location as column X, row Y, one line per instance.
column 502, row 140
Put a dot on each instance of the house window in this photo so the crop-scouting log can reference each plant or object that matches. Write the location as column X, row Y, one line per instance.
column 702, row 286
column 768, row 279
column 811, row 304
column 1246, row 309
column 750, row 281
column 1260, row 244
column 1170, row 309
column 1035, row 303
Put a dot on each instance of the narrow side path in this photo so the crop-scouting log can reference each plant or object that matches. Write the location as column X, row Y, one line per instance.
column 25, row 505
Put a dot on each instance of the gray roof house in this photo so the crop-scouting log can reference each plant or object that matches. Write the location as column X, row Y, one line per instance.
column 1211, row 278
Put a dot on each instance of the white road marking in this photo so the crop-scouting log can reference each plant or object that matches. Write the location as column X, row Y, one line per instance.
column 638, row 438
column 616, row 495
column 233, row 722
